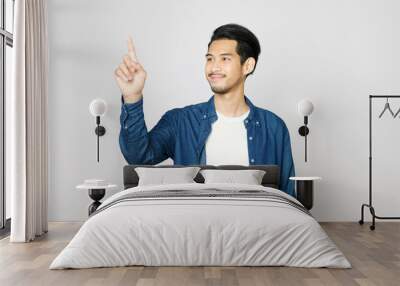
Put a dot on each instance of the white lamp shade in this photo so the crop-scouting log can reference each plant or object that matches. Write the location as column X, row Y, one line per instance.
column 305, row 107
column 98, row 107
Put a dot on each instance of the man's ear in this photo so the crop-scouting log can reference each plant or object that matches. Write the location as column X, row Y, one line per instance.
column 249, row 65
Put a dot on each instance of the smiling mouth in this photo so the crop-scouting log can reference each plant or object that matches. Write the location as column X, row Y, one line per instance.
column 216, row 76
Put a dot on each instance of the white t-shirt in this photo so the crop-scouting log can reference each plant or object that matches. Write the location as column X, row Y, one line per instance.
column 227, row 142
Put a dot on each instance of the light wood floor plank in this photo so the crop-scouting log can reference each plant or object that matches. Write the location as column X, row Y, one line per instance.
column 374, row 255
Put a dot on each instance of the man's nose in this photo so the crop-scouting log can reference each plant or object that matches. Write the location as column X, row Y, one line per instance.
column 216, row 67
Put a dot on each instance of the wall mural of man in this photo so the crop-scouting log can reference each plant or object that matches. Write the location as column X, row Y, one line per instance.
column 227, row 129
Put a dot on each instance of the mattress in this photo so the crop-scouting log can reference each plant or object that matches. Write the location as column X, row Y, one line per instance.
column 201, row 225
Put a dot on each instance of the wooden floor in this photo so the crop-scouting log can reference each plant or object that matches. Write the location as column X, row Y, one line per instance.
column 374, row 255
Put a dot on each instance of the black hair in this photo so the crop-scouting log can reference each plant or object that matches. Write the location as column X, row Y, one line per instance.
column 247, row 46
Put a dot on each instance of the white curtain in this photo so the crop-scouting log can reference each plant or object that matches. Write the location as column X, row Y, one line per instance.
column 27, row 122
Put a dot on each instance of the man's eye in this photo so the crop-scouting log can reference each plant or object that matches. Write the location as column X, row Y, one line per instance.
column 209, row 59
column 226, row 59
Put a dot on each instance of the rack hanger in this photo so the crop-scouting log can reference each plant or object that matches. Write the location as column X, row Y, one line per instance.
column 397, row 113
column 387, row 107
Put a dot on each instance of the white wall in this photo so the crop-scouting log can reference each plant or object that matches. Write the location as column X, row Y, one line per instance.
column 335, row 53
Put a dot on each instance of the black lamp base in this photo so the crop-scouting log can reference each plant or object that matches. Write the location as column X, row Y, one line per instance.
column 100, row 130
column 304, row 131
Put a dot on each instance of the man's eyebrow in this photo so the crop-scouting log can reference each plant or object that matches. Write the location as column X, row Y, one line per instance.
column 224, row 54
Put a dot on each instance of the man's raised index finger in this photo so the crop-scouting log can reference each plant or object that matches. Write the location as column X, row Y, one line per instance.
column 131, row 49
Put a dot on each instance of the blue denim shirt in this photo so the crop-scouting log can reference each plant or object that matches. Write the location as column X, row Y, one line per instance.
column 181, row 135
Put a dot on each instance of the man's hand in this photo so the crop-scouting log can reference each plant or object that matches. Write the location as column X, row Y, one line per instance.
column 130, row 76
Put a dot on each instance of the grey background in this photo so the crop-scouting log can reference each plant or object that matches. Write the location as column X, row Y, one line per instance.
column 334, row 53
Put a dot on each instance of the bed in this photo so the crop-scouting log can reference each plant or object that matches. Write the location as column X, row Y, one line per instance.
column 201, row 224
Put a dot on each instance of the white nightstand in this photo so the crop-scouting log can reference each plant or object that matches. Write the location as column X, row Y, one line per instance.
column 96, row 191
column 305, row 190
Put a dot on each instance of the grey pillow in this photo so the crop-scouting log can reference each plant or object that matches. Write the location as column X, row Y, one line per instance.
column 162, row 176
column 249, row 177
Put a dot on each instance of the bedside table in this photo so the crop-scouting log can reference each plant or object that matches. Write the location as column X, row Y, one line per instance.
column 304, row 190
column 96, row 193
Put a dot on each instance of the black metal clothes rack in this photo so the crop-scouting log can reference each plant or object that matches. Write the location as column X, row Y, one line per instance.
column 369, row 205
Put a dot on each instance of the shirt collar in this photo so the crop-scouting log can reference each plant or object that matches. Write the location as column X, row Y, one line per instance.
column 211, row 113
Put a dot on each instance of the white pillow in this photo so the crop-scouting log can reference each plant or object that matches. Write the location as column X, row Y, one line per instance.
column 249, row 177
column 165, row 176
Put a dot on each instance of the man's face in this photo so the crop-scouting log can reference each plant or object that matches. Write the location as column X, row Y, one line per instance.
column 223, row 69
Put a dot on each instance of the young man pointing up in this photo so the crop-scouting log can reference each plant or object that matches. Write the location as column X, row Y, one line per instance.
column 227, row 129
